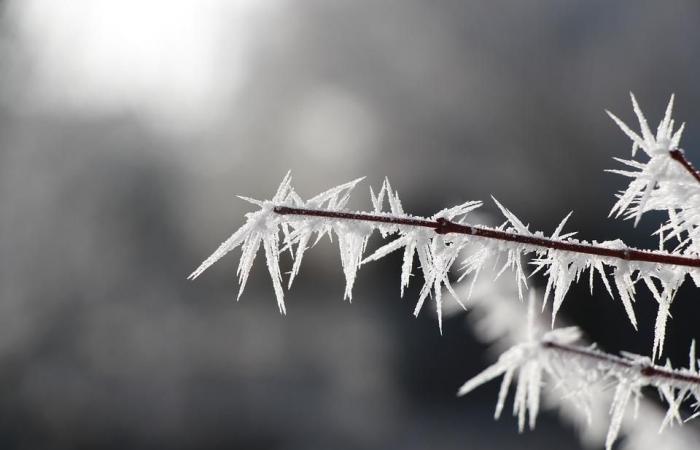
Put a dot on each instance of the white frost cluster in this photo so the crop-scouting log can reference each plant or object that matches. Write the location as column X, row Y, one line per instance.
column 661, row 184
column 497, row 320
column 436, row 252
column 549, row 360
column 296, row 233
column 659, row 181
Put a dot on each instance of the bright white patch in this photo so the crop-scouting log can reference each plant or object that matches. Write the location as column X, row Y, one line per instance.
column 173, row 62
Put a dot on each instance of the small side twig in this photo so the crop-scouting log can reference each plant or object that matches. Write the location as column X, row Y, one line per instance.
column 679, row 156
column 648, row 370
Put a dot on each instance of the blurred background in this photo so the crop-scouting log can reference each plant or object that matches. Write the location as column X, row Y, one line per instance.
column 127, row 127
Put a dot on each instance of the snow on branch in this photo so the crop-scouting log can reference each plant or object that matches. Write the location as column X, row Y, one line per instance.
column 578, row 372
column 437, row 240
column 679, row 156
column 666, row 181
column 497, row 320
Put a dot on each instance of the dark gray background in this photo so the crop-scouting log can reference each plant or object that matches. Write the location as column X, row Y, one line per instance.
column 125, row 134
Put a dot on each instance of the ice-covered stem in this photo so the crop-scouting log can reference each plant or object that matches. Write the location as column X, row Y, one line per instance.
column 554, row 359
column 437, row 241
column 444, row 226
column 574, row 370
column 647, row 369
column 496, row 320
column 679, row 156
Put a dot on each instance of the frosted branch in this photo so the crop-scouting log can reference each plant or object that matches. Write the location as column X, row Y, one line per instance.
column 667, row 181
column 496, row 320
column 550, row 361
column 679, row 156
column 653, row 373
column 444, row 226
column 437, row 241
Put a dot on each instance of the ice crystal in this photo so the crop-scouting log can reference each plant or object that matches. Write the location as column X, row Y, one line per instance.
column 665, row 182
column 524, row 360
column 261, row 227
column 437, row 251
column 647, row 190
column 550, row 358
column 576, row 387
column 659, row 184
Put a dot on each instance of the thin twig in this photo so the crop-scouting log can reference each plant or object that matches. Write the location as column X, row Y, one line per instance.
column 679, row 156
column 646, row 369
column 444, row 226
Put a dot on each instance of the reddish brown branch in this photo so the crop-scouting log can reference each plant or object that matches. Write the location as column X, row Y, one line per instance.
column 648, row 370
column 444, row 226
column 678, row 155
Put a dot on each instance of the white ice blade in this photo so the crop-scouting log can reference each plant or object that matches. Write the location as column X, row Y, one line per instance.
column 229, row 244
